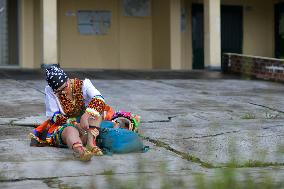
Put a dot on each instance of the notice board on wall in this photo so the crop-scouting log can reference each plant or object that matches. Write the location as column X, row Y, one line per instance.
column 92, row 22
column 139, row 8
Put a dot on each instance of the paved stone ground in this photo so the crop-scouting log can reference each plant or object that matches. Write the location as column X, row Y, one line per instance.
column 188, row 123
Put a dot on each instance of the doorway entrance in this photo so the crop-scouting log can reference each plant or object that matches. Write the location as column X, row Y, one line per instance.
column 197, row 36
column 279, row 30
column 231, row 29
column 231, row 32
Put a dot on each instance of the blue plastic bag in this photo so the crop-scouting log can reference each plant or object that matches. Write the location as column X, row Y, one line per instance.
column 118, row 140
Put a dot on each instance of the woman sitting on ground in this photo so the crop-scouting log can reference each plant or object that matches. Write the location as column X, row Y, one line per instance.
column 72, row 105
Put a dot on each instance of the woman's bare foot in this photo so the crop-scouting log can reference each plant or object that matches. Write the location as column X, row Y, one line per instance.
column 81, row 152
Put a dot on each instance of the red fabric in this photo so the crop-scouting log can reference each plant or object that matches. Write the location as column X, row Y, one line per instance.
column 109, row 114
column 45, row 125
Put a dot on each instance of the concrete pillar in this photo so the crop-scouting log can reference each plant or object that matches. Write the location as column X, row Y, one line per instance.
column 50, row 48
column 212, row 34
column 175, row 34
column 26, row 34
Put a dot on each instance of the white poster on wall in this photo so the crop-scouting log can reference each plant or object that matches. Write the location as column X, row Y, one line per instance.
column 94, row 22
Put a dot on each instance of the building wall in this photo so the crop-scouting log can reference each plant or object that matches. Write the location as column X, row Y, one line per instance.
column 135, row 41
column 258, row 28
column 38, row 34
column 164, row 32
column 258, row 39
column 175, row 34
column 86, row 51
column 26, row 43
column 30, row 34
column 161, row 34
column 132, row 42
column 50, row 34
column 128, row 45
column 186, row 36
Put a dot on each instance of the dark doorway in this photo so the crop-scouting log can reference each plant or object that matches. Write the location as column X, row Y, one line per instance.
column 279, row 30
column 231, row 32
column 231, row 29
column 13, row 28
column 197, row 36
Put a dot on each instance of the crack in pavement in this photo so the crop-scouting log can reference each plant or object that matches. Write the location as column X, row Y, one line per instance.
column 263, row 106
column 213, row 135
column 189, row 157
column 161, row 121
column 10, row 122
column 183, row 155
column 269, row 136
column 273, row 126
column 44, row 178
column 200, row 117
column 33, row 125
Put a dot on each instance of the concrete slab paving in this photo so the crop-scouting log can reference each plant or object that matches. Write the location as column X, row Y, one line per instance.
column 31, row 121
column 213, row 120
column 43, row 166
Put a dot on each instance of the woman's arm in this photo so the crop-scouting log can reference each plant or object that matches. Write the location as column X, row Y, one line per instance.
column 96, row 103
column 52, row 108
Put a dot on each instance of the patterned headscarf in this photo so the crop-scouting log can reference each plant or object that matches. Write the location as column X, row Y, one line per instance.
column 55, row 77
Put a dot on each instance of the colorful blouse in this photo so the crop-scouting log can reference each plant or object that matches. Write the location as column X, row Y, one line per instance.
column 61, row 109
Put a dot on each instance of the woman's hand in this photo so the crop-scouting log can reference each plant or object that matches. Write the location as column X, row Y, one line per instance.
column 80, row 129
column 84, row 122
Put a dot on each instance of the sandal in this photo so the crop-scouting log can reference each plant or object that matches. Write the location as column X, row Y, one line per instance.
column 95, row 150
column 85, row 156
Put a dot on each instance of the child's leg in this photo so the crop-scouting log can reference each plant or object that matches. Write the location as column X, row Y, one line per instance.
column 92, row 135
column 93, row 132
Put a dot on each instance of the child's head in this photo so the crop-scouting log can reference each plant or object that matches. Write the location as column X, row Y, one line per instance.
column 95, row 120
column 127, row 120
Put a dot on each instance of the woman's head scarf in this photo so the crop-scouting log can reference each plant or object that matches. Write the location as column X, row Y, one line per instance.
column 55, row 77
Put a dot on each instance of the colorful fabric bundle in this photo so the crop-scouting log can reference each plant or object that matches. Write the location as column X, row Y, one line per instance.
column 119, row 140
